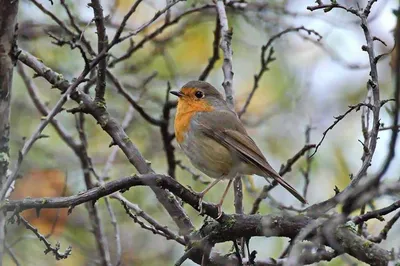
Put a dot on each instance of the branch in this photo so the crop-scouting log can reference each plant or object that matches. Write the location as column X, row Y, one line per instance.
column 396, row 109
column 154, row 18
column 49, row 248
column 52, row 16
column 120, row 88
column 383, row 234
column 338, row 118
column 125, row 19
column 266, row 61
column 44, row 111
column 377, row 214
column 8, row 18
column 215, row 56
column 225, row 46
column 155, row 227
column 373, row 83
column 102, row 43
column 166, row 136
column 306, row 172
column 117, row 234
column 153, row 34
column 122, row 184
column 228, row 227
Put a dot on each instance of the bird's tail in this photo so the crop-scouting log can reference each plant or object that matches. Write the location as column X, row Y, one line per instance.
column 286, row 185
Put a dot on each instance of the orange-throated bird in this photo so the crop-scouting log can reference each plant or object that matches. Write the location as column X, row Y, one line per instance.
column 215, row 140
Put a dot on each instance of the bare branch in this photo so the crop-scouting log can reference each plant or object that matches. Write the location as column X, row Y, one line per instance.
column 338, row 118
column 129, row 98
column 156, row 228
column 102, row 43
column 8, row 20
column 215, row 56
column 154, row 18
column 44, row 111
column 125, row 19
column 53, row 17
column 153, row 34
column 54, row 250
column 265, row 61
column 117, row 235
column 383, row 234
column 226, row 48
column 377, row 214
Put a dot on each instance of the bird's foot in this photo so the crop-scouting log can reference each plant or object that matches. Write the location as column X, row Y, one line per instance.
column 200, row 204
column 201, row 196
column 219, row 206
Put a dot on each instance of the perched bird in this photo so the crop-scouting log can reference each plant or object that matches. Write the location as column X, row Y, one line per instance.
column 215, row 140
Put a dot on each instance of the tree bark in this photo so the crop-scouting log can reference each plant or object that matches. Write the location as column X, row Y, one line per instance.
column 8, row 15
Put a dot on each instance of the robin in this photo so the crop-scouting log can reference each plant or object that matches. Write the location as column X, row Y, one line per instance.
column 215, row 140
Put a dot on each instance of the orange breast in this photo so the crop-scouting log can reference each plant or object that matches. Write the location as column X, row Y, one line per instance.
column 186, row 109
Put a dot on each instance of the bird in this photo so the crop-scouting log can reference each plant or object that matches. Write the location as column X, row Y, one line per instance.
column 214, row 139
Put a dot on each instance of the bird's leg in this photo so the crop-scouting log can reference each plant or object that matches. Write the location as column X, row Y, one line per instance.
column 202, row 193
column 219, row 205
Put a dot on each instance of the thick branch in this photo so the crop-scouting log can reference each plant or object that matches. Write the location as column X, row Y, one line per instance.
column 228, row 227
column 8, row 15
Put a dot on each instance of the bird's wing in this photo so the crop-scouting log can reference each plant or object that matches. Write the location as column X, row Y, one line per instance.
column 234, row 137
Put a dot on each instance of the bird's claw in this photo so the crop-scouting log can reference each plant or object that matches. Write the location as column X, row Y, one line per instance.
column 200, row 195
column 201, row 205
column 219, row 207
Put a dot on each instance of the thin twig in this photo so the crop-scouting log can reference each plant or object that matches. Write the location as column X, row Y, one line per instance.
column 215, row 55
column 383, row 234
column 154, row 227
column 117, row 234
column 306, row 172
column 120, row 88
column 377, row 214
column 195, row 176
column 373, row 84
column 52, row 16
column 154, row 18
column 265, row 61
column 338, row 118
column 156, row 32
column 284, row 169
column 125, row 19
column 54, row 250
column 134, row 47
column 110, row 160
column 42, row 108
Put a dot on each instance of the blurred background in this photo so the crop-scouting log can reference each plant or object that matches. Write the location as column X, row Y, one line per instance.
column 310, row 82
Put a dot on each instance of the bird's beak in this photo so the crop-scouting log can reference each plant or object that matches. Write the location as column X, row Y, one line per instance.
column 177, row 93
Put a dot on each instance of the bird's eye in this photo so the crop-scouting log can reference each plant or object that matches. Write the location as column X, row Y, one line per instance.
column 199, row 94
